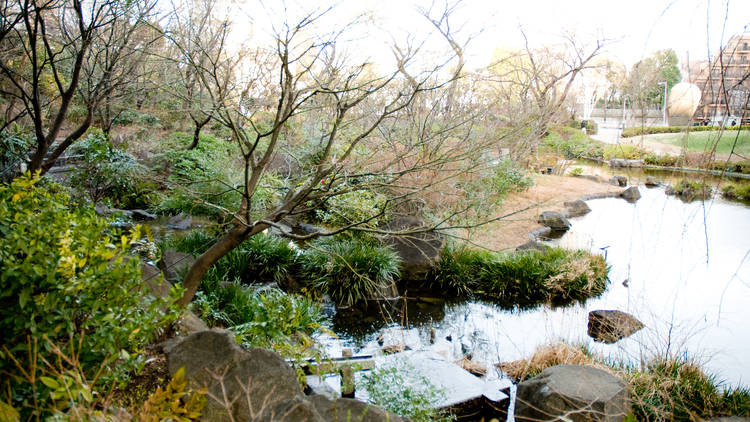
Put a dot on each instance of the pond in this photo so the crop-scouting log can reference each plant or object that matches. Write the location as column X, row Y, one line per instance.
column 681, row 268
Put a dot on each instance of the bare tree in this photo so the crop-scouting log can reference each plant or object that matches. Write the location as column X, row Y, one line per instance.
column 351, row 128
column 58, row 54
column 530, row 87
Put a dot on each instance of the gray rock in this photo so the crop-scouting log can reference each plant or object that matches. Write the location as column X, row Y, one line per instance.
column 255, row 384
column 572, row 392
column 652, row 181
column 345, row 410
column 419, row 252
column 154, row 281
column 142, row 215
column 631, row 194
column 577, row 208
column 189, row 323
column 554, row 220
column 175, row 265
column 610, row 326
column 180, row 221
column 620, row 181
column 730, row 419
column 106, row 211
column 669, row 190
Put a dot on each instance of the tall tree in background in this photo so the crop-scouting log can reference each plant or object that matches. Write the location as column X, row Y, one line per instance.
column 60, row 54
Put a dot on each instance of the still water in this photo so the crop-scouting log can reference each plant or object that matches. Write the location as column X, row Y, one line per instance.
column 683, row 269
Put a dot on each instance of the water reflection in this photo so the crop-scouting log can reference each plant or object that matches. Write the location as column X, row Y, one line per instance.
column 680, row 268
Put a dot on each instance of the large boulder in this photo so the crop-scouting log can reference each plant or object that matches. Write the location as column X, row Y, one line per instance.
column 610, row 326
column 142, row 215
column 572, row 392
column 175, row 264
column 254, row 384
column 631, row 194
column 576, row 208
column 419, row 251
column 554, row 220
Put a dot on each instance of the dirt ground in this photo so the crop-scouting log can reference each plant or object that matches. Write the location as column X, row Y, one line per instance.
column 548, row 194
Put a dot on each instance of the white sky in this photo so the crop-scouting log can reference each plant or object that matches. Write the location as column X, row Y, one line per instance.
column 633, row 28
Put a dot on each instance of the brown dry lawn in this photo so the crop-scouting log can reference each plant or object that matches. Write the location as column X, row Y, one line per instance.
column 548, row 194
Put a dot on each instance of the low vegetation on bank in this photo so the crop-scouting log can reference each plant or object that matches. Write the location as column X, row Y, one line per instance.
column 556, row 276
column 664, row 389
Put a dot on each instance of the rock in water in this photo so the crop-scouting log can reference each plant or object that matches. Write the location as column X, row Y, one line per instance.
column 620, row 181
column 577, row 208
column 611, row 326
column 631, row 194
column 572, row 392
column 652, row 181
column 180, row 221
column 554, row 220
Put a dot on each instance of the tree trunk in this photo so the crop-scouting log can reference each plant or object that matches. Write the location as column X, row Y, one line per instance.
column 223, row 246
column 197, row 132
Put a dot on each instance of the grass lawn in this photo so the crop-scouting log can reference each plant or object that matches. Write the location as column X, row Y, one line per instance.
column 704, row 141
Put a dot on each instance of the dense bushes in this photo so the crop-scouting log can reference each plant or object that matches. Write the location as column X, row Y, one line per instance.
column 557, row 276
column 690, row 190
column 67, row 276
column 105, row 173
column 739, row 190
column 14, row 148
column 649, row 130
column 572, row 143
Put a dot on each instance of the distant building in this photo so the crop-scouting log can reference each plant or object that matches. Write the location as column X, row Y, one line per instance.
column 725, row 85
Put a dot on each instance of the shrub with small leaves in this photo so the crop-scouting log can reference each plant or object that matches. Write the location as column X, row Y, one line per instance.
column 66, row 271
column 174, row 403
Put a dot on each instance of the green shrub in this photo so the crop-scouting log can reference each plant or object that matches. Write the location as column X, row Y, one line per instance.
column 349, row 270
column 662, row 160
column 107, row 173
column 649, row 130
column 199, row 177
column 351, row 207
column 14, row 148
column 522, row 279
column 392, row 389
column 678, row 390
column 737, row 190
column 66, row 273
column 571, row 143
column 261, row 317
column 576, row 171
column 628, row 152
column 195, row 242
column 690, row 190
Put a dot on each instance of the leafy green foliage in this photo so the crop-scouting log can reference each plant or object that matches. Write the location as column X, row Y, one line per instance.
column 108, row 173
column 66, row 272
column 390, row 389
column 526, row 279
column 571, row 143
column 13, row 150
column 349, row 270
column 628, row 152
column 690, row 190
column 200, row 176
column 175, row 402
column 737, row 190
column 351, row 207
column 677, row 390
column 261, row 317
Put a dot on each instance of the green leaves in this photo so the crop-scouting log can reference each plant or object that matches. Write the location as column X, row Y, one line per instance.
column 59, row 278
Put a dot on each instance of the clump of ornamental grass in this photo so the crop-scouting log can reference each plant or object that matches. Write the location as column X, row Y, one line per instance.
column 522, row 279
column 548, row 355
column 349, row 270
